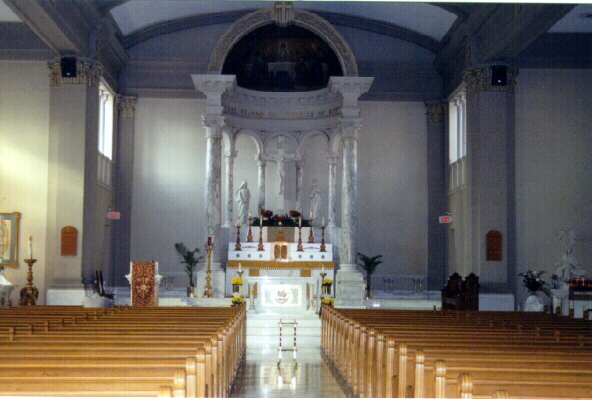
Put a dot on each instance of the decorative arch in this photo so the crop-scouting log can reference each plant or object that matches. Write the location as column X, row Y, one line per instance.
column 251, row 134
column 290, row 138
column 302, row 18
column 310, row 134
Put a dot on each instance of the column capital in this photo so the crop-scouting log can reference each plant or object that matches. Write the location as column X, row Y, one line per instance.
column 126, row 106
column 88, row 72
column 479, row 80
column 350, row 128
column 213, row 86
column 436, row 111
column 350, row 88
column 230, row 155
column 214, row 124
column 332, row 157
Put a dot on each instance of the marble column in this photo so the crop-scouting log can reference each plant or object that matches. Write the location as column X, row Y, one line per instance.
column 213, row 126
column 230, row 156
column 214, row 86
column 437, row 195
column 124, row 167
column 332, row 162
column 349, row 194
column 299, row 173
column 261, row 183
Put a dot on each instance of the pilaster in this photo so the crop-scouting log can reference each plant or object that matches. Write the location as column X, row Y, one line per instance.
column 73, row 169
column 261, row 183
column 229, row 157
column 332, row 159
column 125, row 112
column 490, row 119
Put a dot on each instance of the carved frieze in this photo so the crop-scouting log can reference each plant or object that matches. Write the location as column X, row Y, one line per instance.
column 436, row 112
column 87, row 73
column 125, row 106
column 479, row 80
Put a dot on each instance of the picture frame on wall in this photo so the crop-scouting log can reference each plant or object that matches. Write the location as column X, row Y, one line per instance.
column 9, row 235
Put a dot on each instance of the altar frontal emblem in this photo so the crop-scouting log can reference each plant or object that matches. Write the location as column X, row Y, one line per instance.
column 283, row 297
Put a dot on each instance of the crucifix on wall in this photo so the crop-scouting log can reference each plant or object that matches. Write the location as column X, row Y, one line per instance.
column 281, row 157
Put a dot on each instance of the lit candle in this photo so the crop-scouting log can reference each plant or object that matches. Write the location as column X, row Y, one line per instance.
column 261, row 221
column 30, row 247
column 238, row 222
column 240, row 268
column 299, row 221
column 323, row 223
column 310, row 213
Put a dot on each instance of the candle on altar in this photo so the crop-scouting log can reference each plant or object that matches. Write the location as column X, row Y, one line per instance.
column 322, row 268
column 261, row 221
column 299, row 221
column 323, row 223
column 30, row 247
column 240, row 268
column 238, row 222
column 250, row 215
column 310, row 213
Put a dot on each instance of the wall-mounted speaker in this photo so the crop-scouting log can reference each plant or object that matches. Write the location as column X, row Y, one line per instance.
column 499, row 75
column 68, row 67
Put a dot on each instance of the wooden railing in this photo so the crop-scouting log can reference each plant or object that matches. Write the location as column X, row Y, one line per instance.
column 121, row 351
column 436, row 354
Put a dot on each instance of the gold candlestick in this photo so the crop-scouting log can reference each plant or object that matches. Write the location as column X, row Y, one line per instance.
column 311, row 238
column 208, row 293
column 300, row 248
column 323, row 246
column 260, row 247
column 249, row 236
column 29, row 293
column 237, row 247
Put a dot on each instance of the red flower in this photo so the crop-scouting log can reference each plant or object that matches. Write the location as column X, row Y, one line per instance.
column 294, row 214
column 267, row 213
column 279, row 218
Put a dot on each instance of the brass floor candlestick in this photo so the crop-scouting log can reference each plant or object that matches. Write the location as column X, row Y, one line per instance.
column 29, row 293
column 237, row 247
column 324, row 288
column 260, row 247
column 311, row 238
column 300, row 248
column 208, row 293
column 250, row 236
column 323, row 246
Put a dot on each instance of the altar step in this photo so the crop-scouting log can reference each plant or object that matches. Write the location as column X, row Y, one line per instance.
column 263, row 331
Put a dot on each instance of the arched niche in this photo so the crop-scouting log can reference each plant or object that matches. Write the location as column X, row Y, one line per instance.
column 284, row 15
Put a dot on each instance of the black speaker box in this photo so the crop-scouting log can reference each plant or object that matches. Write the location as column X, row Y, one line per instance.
column 68, row 67
column 499, row 75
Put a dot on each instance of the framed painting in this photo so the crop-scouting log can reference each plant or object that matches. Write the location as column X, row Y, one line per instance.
column 9, row 234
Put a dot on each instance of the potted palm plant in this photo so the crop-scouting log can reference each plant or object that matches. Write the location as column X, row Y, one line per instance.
column 190, row 260
column 369, row 264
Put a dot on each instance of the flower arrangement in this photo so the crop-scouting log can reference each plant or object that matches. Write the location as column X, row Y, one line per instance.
column 328, row 301
column 327, row 281
column 291, row 219
column 533, row 282
column 188, row 259
column 236, row 280
column 237, row 300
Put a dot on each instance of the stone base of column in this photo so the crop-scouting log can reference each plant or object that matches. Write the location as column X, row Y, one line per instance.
column 350, row 289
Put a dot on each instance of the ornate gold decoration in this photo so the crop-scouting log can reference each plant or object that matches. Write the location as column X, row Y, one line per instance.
column 237, row 247
column 208, row 293
column 479, row 80
column 311, row 237
column 250, row 235
column 323, row 246
column 29, row 293
column 143, row 284
column 87, row 73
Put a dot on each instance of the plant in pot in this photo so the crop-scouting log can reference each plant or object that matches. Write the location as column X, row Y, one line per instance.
column 369, row 264
column 190, row 260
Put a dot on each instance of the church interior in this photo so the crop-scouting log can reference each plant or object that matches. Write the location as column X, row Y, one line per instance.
column 377, row 177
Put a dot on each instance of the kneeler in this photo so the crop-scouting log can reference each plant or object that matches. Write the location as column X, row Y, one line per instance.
column 144, row 281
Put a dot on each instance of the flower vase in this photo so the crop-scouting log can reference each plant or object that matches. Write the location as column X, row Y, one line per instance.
column 236, row 289
column 534, row 303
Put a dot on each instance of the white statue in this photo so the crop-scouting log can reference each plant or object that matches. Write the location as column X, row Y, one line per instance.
column 281, row 173
column 315, row 200
column 566, row 268
column 243, row 197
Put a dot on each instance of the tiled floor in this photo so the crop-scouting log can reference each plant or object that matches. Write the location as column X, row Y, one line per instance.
column 310, row 377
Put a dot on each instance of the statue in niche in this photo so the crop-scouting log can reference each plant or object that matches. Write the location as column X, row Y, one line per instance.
column 566, row 268
column 243, row 197
column 315, row 199
column 281, row 173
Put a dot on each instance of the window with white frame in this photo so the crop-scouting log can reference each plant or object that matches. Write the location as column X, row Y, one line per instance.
column 105, row 148
column 457, row 138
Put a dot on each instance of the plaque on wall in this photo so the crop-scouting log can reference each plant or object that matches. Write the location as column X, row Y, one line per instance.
column 493, row 245
column 69, row 241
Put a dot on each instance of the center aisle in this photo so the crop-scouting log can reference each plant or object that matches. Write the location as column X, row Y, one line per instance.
column 261, row 377
column 310, row 378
